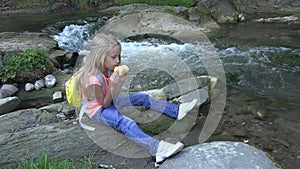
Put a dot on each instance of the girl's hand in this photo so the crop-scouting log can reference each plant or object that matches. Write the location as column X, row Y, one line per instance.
column 114, row 79
column 124, row 77
column 116, row 83
column 120, row 78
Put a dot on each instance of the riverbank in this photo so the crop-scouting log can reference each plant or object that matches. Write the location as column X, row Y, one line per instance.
column 15, row 6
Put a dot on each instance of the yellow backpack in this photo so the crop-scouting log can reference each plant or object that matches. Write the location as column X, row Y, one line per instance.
column 74, row 96
column 72, row 91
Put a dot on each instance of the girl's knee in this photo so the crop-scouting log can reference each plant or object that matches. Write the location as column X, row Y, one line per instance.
column 140, row 99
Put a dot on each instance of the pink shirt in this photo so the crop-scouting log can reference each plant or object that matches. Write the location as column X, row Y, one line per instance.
column 93, row 106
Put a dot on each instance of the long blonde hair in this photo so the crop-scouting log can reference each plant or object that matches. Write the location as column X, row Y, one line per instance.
column 100, row 45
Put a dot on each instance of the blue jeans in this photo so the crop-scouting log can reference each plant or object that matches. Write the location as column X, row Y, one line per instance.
column 112, row 117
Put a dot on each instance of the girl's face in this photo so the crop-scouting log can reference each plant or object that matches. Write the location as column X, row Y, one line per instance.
column 112, row 58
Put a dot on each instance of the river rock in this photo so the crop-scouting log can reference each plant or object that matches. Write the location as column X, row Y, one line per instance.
column 7, row 90
column 185, row 86
column 221, row 11
column 50, row 81
column 220, row 155
column 57, row 96
column 57, row 57
column 39, row 84
column 62, row 107
column 8, row 104
column 29, row 87
column 63, row 59
column 154, row 23
column 285, row 19
column 184, row 90
column 207, row 23
column 12, row 42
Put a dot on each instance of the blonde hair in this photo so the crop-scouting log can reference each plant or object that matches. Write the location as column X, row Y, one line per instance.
column 100, row 45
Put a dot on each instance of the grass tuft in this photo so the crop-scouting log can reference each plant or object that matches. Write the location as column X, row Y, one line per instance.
column 45, row 162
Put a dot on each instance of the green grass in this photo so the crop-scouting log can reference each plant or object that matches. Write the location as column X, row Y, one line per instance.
column 83, row 3
column 30, row 3
column 45, row 162
column 169, row 9
column 187, row 3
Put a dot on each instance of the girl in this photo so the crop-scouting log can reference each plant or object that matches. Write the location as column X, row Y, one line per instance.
column 105, row 101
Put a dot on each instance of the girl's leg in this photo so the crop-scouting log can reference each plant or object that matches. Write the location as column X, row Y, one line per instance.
column 111, row 117
column 142, row 99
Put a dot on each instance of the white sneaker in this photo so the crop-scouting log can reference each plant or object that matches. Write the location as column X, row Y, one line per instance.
column 184, row 108
column 165, row 150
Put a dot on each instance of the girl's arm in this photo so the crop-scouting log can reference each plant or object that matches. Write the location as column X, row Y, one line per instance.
column 104, row 100
column 116, row 83
column 115, row 87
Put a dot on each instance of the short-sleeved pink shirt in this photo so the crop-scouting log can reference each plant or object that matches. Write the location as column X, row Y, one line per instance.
column 93, row 106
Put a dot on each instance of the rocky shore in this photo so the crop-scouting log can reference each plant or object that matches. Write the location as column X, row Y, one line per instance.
column 237, row 125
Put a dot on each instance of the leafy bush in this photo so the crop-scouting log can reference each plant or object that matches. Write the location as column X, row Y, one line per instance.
column 26, row 66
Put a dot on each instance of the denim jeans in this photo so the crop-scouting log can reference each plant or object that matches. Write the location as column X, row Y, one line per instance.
column 112, row 117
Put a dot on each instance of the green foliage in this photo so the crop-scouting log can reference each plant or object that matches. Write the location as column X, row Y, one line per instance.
column 202, row 16
column 26, row 66
column 80, row 3
column 31, row 3
column 187, row 3
column 45, row 162
column 83, row 3
column 169, row 9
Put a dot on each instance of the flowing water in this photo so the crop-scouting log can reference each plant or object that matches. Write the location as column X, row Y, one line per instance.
column 259, row 59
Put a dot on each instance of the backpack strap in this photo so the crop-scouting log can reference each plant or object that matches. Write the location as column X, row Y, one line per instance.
column 84, row 104
column 100, row 77
column 82, row 110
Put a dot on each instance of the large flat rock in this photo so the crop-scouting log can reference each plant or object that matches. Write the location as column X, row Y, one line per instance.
column 220, row 155
column 11, row 41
